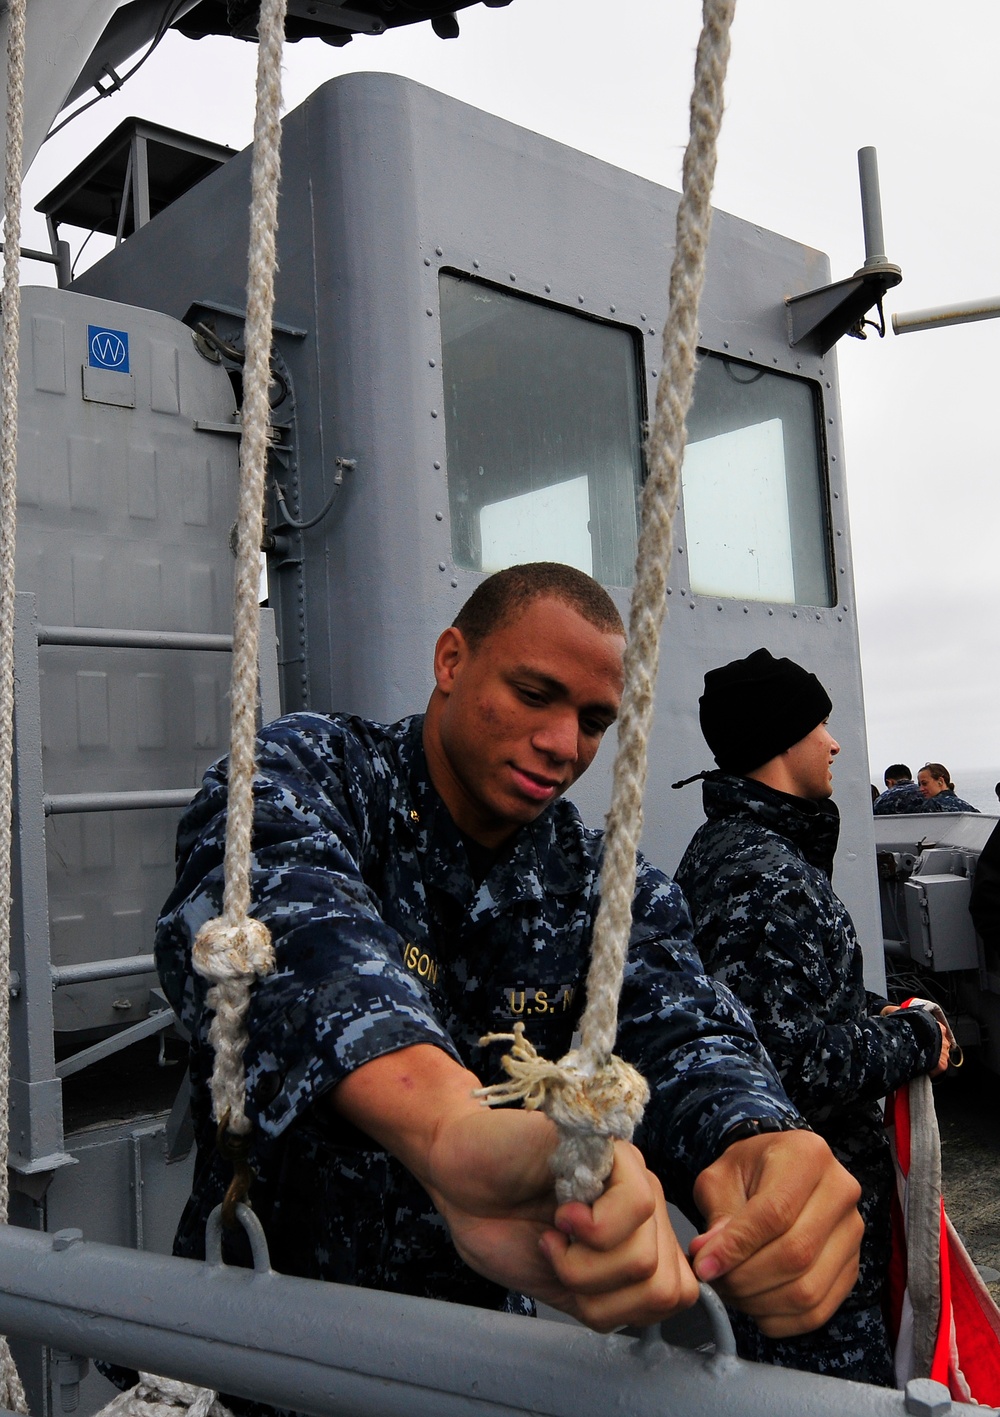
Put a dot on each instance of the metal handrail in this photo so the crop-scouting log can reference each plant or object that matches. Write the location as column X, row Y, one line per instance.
column 59, row 803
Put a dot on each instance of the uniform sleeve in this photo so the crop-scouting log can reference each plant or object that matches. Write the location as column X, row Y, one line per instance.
column 764, row 935
column 340, row 995
column 984, row 902
column 692, row 1040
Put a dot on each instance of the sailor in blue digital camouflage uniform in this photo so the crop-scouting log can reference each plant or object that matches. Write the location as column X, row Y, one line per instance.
column 757, row 877
column 938, row 791
column 901, row 796
column 425, row 884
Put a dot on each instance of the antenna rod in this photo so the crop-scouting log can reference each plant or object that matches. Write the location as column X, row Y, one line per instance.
column 934, row 319
column 871, row 209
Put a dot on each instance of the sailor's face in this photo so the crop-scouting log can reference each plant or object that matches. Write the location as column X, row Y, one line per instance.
column 519, row 718
column 929, row 785
column 810, row 761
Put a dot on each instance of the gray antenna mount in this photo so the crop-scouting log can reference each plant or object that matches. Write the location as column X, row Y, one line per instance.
column 818, row 318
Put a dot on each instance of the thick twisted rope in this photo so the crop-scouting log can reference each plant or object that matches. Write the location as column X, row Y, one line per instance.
column 11, row 1389
column 591, row 1095
column 153, row 1396
column 234, row 949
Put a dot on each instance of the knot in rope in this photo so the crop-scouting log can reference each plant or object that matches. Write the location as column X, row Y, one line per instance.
column 592, row 1107
column 224, row 950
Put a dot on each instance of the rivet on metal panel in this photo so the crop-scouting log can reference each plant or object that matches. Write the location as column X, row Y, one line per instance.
column 840, row 533
column 829, row 420
column 828, row 385
column 670, row 590
column 580, row 299
column 750, row 353
column 432, row 363
column 438, row 251
column 795, row 614
column 725, row 344
column 434, row 413
column 840, row 569
column 836, row 496
column 442, row 566
column 833, row 457
column 774, row 358
column 439, row 516
column 798, row 363
column 642, row 319
column 820, row 372
column 427, row 260
column 454, row 584
column 437, row 467
column 683, row 590
column 926, row 1398
column 746, row 610
column 611, row 308
column 719, row 608
column 770, row 612
column 680, row 550
column 513, row 276
column 691, row 603
column 430, row 311
column 15, row 984
column 651, row 331
column 839, row 619
column 819, row 617
column 548, row 290
column 475, row 265
column 62, row 1239
column 654, row 373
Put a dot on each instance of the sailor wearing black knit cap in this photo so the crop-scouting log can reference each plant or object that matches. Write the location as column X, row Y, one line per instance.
column 767, row 923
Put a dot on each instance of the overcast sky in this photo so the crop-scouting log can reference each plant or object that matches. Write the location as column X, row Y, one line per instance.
column 808, row 85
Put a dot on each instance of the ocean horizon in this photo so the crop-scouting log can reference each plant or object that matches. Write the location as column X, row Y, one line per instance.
column 976, row 786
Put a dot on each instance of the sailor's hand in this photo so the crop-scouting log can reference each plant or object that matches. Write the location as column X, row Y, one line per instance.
column 783, row 1230
column 941, row 1066
column 618, row 1259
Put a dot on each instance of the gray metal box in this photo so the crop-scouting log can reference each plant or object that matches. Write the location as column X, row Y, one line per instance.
column 938, row 923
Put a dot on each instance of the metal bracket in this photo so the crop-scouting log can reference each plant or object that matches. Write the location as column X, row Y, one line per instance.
column 818, row 318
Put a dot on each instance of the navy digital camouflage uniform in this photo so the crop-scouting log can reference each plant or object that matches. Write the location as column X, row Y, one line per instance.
column 768, row 924
column 905, row 797
column 947, row 801
column 385, row 939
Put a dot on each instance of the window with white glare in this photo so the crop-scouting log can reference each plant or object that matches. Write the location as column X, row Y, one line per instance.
column 543, row 425
column 755, row 501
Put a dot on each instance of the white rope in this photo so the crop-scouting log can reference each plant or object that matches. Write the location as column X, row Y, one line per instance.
column 234, row 949
column 153, row 1396
column 590, row 1081
column 11, row 1389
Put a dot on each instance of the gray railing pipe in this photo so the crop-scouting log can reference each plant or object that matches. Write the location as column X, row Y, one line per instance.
column 86, row 636
column 341, row 1352
column 121, row 968
column 60, row 803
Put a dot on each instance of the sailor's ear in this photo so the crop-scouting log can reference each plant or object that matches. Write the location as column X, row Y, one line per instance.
column 450, row 653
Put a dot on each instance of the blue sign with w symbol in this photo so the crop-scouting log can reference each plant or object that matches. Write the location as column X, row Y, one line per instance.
column 108, row 349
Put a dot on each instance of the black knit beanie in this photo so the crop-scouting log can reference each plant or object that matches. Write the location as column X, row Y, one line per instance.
column 755, row 708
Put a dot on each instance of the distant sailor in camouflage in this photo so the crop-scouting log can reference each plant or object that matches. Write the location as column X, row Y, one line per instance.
column 425, row 884
column 938, row 791
column 768, row 923
column 901, row 796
